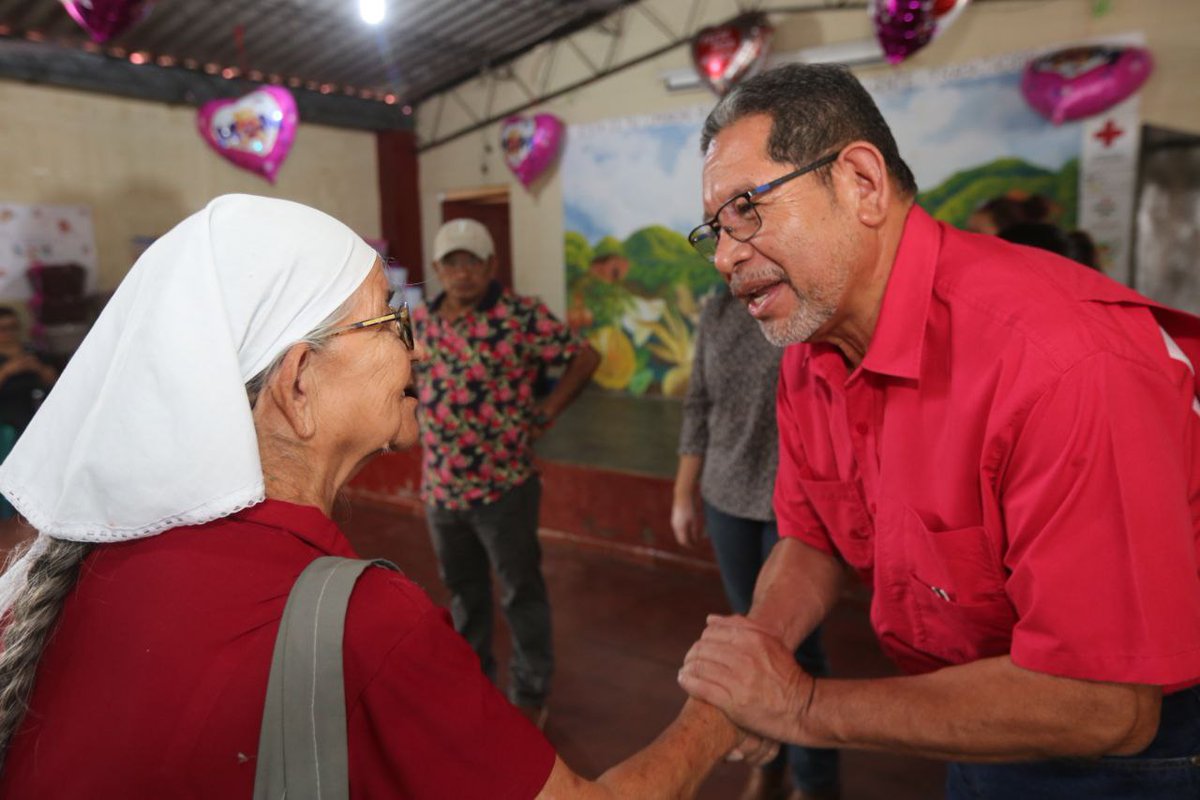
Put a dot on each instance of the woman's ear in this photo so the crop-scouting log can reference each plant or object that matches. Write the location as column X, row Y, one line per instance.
column 870, row 185
column 290, row 391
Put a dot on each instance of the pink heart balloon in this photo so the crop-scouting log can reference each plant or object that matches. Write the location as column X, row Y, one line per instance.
column 905, row 26
column 729, row 53
column 1081, row 81
column 530, row 145
column 104, row 19
column 254, row 131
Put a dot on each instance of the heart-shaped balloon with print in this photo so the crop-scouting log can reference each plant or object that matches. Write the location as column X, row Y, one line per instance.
column 1081, row 81
column 530, row 144
column 729, row 53
column 104, row 19
column 254, row 131
column 905, row 26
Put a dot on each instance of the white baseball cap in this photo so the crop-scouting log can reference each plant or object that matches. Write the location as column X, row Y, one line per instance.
column 463, row 234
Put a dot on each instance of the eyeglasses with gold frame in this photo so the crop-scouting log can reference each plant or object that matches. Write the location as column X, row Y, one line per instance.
column 399, row 315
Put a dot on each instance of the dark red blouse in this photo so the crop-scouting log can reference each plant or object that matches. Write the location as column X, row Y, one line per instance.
column 153, row 684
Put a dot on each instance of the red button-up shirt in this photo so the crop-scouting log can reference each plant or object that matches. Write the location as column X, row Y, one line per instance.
column 153, row 684
column 1013, row 468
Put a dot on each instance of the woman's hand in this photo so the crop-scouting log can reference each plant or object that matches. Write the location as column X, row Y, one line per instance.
column 685, row 522
column 754, row 749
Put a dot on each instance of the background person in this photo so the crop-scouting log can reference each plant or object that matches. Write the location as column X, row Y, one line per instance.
column 728, row 451
column 24, row 378
column 1076, row 245
column 479, row 420
column 1010, row 209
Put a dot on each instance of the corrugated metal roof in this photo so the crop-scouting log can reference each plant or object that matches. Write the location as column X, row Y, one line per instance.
column 421, row 48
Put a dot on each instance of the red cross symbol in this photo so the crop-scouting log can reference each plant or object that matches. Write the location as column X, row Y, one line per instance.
column 1109, row 133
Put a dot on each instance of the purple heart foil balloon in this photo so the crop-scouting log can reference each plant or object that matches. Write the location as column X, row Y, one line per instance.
column 530, row 145
column 254, row 132
column 104, row 19
column 1082, row 81
column 903, row 26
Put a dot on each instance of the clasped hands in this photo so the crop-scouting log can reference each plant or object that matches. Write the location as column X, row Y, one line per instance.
column 745, row 671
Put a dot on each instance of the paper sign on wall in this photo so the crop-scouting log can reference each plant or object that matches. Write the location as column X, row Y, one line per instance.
column 43, row 234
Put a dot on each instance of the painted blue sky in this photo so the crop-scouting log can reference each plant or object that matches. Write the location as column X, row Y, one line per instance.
column 946, row 127
column 623, row 175
column 617, row 179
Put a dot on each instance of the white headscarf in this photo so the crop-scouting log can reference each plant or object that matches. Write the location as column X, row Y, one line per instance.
column 149, row 427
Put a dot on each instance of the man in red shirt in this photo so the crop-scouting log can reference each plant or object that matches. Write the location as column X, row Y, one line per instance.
column 1001, row 443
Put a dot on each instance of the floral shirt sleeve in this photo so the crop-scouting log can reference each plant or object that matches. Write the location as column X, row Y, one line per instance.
column 550, row 341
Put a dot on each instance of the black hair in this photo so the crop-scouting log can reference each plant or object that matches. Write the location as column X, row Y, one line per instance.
column 814, row 109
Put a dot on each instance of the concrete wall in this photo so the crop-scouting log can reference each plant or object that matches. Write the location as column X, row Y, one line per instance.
column 142, row 167
column 1171, row 98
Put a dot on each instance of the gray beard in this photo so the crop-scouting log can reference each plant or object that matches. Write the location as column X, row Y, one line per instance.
column 800, row 325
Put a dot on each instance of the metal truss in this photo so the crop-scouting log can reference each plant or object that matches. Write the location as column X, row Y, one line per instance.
column 476, row 99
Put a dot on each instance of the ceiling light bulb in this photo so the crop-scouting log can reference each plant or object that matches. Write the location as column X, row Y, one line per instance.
column 372, row 11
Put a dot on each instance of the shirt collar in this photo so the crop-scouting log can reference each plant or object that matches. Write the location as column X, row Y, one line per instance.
column 490, row 298
column 899, row 337
column 305, row 522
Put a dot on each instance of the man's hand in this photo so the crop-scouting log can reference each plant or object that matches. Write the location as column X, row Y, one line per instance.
column 746, row 672
column 543, row 418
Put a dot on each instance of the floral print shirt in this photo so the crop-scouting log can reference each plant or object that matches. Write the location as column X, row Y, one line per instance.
column 476, row 393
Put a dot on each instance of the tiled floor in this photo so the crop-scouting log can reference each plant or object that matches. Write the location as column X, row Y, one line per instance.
column 621, row 631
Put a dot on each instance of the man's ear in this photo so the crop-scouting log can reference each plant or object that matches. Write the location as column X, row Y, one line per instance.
column 290, row 391
column 865, row 179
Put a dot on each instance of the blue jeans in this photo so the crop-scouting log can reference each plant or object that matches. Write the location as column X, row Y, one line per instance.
column 1169, row 769
column 742, row 546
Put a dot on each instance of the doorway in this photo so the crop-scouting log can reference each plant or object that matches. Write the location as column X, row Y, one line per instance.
column 489, row 206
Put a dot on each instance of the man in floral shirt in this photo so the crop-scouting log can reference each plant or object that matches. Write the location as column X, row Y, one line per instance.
column 479, row 420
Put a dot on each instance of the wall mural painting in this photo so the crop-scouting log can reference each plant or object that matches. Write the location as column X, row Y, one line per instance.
column 631, row 193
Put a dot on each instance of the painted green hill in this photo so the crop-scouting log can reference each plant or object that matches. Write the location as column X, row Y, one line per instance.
column 577, row 254
column 659, row 258
column 959, row 195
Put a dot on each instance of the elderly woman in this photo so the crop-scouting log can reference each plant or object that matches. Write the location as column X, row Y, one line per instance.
column 180, row 478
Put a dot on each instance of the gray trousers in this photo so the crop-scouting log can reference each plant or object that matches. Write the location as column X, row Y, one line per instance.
column 502, row 535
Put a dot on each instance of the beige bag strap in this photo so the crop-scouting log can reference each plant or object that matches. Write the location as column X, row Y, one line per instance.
column 302, row 745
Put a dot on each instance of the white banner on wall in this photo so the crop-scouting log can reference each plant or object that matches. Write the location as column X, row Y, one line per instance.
column 1108, row 184
column 43, row 234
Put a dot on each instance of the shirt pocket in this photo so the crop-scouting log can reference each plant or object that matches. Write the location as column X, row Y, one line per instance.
column 839, row 507
column 958, row 606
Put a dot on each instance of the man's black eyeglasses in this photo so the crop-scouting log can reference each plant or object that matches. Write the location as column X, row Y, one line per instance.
column 739, row 217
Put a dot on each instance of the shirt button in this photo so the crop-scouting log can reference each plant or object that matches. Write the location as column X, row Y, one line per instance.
column 861, row 427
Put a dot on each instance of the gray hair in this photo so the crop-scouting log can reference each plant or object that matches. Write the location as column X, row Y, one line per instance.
column 316, row 339
column 34, row 613
column 814, row 109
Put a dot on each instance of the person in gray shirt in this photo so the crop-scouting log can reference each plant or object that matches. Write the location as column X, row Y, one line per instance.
column 728, row 450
